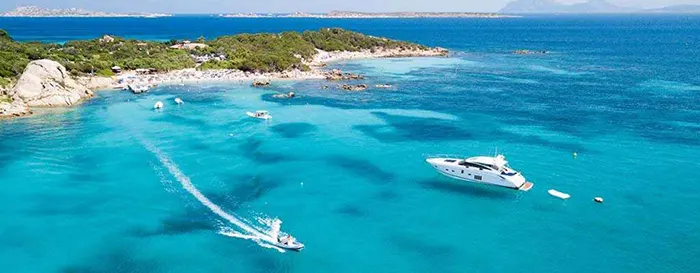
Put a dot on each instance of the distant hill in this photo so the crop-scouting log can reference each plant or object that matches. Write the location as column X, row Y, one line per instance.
column 34, row 11
column 676, row 9
column 591, row 6
column 533, row 6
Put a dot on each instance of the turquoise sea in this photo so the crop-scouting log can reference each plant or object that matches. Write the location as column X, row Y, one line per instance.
column 108, row 186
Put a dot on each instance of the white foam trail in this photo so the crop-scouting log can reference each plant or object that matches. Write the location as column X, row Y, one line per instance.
column 254, row 234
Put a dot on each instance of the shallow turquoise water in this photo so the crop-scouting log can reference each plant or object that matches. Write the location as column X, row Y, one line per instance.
column 83, row 190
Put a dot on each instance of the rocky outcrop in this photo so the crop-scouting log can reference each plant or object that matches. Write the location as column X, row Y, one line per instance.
column 337, row 75
column 96, row 82
column 106, row 39
column 259, row 82
column 13, row 109
column 47, row 83
column 359, row 87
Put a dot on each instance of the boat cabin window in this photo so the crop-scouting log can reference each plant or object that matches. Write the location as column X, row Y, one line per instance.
column 476, row 165
column 450, row 160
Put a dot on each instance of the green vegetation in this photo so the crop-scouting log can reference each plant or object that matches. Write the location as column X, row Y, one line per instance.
column 336, row 39
column 248, row 52
column 5, row 82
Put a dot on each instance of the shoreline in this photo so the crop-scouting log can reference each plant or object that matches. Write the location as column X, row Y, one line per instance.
column 317, row 71
column 193, row 76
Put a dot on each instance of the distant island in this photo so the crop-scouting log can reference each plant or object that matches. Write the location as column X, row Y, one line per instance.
column 589, row 7
column 355, row 14
column 34, row 11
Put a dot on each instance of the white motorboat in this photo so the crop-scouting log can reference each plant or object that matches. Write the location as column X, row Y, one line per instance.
column 481, row 169
column 284, row 241
column 261, row 114
column 289, row 242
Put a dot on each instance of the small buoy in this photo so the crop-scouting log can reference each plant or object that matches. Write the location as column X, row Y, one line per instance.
column 158, row 105
column 575, row 155
column 179, row 101
column 230, row 134
column 558, row 194
column 598, row 199
column 302, row 184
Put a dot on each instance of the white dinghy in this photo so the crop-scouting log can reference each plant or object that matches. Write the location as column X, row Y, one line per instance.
column 261, row 114
column 558, row 194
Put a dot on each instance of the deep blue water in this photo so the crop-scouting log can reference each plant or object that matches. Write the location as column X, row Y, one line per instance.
column 98, row 188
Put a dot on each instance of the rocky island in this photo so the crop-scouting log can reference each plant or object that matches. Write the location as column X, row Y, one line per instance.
column 53, row 75
column 34, row 11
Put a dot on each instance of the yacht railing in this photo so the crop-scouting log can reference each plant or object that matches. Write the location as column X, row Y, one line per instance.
column 445, row 156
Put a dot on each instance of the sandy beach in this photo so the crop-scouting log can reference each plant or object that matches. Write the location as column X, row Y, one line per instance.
column 192, row 75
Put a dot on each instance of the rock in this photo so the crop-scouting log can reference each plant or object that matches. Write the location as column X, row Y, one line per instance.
column 14, row 109
column 359, row 87
column 47, row 83
column 106, row 39
column 258, row 82
column 96, row 83
column 337, row 75
column 441, row 51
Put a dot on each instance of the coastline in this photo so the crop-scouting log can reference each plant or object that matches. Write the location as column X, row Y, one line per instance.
column 193, row 76
column 317, row 71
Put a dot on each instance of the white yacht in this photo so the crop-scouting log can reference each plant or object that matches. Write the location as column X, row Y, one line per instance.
column 481, row 169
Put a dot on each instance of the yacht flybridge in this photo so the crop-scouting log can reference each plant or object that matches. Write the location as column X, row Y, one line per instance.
column 481, row 169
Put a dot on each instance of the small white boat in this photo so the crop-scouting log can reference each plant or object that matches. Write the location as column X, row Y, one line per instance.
column 289, row 242
column 179, row 101
column 284, row 241
column 261, row 114
column 558, row 194
column 158, row 105
column 481, row 169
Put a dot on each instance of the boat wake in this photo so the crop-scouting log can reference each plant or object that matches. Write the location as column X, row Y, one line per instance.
column 262, row 238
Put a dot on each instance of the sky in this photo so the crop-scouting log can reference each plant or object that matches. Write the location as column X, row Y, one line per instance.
column 229, row 6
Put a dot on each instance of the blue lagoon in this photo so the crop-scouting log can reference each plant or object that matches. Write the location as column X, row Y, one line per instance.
column 114, row 186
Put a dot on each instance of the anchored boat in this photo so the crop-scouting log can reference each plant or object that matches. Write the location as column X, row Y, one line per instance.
column 261, row 114
column 481, row 169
